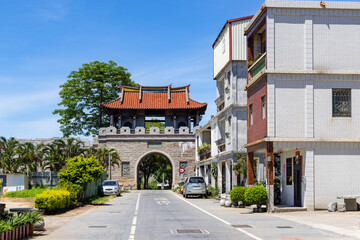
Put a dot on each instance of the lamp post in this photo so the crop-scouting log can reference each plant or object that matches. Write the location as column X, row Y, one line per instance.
column 109, row 165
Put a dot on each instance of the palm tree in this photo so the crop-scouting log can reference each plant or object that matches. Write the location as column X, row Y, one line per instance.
column 71, row 147
column 55, row 159
column 8, row 154
column 88, row 152
column 31, row 156
column 103, row 157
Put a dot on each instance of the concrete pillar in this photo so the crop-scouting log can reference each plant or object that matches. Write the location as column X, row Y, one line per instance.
column 175, row 122
column 250, row 168
column 111, row 120
column 134, row 121
column 308, row 180
column 119, row 121
column 219, row 180
column 228, row 175
column 270, row 175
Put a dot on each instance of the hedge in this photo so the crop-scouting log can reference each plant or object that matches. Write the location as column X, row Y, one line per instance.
column 256, row 195
column 53, row 200
column 238, row 194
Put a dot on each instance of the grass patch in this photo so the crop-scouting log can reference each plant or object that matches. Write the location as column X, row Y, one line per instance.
column 97, row 200
column 28, row 193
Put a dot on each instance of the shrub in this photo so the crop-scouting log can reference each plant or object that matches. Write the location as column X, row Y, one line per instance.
column 256, row 195
column 250, row 63
column 80, row 171
column 75, row 192
column 258, row 56
column 238, row 194
column 53, row 200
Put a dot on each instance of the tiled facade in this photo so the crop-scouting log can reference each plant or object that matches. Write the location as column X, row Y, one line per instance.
column 310, row 51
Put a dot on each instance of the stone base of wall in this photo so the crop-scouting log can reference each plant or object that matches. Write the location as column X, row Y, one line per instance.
column 177, row 148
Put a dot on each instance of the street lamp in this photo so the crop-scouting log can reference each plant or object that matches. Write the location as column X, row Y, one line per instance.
column 109, row 165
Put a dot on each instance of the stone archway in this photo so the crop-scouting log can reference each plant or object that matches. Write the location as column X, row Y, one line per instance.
column 154, row 152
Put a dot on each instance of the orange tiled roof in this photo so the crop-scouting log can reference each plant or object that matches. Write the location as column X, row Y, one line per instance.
column 154, row 100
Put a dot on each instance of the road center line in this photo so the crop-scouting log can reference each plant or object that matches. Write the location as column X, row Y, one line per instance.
column 133, row 225
column 216, row 217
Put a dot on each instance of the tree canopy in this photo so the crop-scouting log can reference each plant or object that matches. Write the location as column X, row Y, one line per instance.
column 82, row 95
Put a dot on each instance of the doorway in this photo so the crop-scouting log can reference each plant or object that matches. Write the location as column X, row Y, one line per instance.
column 297, row 182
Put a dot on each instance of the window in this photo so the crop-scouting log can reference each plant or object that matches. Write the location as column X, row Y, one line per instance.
column 125, row 169
column 251, row 114
column 263, row 107
column 289, row 171
column 341, row 102
column 184, row 165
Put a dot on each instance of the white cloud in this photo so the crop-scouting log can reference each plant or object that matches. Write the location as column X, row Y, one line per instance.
column 42, row 128
column 11, row 104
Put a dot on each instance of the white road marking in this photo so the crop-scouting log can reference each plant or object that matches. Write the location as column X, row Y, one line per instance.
column 162, row 201
column 221, row 220
column 133, row 225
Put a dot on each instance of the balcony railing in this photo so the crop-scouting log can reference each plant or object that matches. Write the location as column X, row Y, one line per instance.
column 205, row 153
column 257, row 69
column 219, row 100
column 142, row 130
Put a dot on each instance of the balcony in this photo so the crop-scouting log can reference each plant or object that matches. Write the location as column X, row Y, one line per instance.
column 257, row 69
column 205, row 152
column 219, row 100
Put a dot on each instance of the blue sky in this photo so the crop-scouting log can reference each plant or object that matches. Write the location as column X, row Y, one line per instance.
column 159, row 42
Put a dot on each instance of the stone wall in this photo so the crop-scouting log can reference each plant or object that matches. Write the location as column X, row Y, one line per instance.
column 134, row 148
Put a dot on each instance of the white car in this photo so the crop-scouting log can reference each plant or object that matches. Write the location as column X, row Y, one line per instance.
column 110, row 187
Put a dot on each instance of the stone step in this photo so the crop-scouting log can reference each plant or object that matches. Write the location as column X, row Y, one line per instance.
column 280, row 209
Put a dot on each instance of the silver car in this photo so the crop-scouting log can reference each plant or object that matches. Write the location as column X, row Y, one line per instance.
column 194, row 186
column 110, row 187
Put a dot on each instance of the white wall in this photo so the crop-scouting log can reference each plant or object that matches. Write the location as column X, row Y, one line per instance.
column 336, row 173
column 289, row 42
column 239, row 51
column 336, row 42
column 289, row 105
column 221, row 57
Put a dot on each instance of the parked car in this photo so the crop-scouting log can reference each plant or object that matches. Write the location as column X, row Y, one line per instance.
column 110, row 187
column 194, row 186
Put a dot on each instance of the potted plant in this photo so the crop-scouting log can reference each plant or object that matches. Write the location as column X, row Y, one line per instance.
column 256, row 195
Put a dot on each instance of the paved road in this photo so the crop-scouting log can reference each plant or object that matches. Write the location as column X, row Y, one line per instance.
column 163, row 215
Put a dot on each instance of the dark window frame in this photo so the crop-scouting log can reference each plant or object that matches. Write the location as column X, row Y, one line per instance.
column 122, row 169
column 341, row 102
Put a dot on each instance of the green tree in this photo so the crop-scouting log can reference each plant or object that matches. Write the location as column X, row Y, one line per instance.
column 147, row 167
column 9, row 155
column 80, row 171
column 31, row 156
column 70, row 147
column 54, row 156
column 102, row 156
column 83, row 93
column 154, row 123
column 163, row 168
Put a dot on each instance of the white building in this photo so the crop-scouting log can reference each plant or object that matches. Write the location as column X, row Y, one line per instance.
column 226, row 131
column 303, row 98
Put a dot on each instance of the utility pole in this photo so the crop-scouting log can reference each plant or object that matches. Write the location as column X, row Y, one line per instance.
column 109, row 166
column 162, row 184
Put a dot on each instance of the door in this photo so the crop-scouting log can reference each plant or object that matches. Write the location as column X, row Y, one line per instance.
column 297, row 183
column 223, row 175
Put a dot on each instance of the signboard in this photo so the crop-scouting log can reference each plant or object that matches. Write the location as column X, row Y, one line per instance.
column 181, row 170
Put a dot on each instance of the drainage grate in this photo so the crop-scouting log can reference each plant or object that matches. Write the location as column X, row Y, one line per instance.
column 284, row 227
column 188, row 231
column 97, row 226
column 242, row 226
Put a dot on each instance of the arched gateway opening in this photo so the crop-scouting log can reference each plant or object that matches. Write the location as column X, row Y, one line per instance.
column 152, row 170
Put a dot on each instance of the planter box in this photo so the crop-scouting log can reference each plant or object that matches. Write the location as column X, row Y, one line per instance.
column 259, row 210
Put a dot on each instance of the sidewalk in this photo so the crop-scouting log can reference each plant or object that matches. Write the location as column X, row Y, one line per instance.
column 344, row 224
